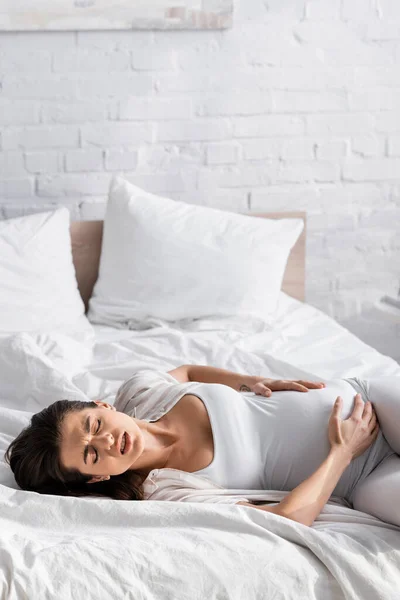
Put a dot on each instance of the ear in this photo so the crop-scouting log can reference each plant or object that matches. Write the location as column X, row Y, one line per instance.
column 104, row 404
column 97, row 478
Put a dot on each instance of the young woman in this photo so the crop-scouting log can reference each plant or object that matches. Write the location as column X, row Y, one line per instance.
column 238, row 430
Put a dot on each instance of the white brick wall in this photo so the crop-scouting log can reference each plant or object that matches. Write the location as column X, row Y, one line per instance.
column 295, row 108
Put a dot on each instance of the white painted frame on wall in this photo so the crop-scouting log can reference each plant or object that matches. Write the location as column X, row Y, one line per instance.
column 56, row 15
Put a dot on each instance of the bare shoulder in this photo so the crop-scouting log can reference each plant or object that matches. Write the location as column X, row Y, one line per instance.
column 181, row 373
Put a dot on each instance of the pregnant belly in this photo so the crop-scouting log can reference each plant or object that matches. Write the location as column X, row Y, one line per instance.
column 297, row 438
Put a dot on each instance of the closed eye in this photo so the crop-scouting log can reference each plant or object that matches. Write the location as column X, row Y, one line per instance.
column 97, row 431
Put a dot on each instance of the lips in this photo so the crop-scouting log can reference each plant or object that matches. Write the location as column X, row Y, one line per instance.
column 120, row 443
column 128, row 443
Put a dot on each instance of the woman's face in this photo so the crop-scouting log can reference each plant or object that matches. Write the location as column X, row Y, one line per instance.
column 106, row 427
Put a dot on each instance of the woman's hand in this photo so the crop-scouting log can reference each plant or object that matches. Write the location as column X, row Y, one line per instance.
column 358, row 432
column 265, row 387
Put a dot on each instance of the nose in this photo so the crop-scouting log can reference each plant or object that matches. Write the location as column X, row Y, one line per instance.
column 106, row 440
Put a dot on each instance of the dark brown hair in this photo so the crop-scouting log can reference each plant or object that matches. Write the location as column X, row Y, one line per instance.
column 34, row 457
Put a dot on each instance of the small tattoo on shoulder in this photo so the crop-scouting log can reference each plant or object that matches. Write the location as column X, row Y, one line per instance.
column 244, row 388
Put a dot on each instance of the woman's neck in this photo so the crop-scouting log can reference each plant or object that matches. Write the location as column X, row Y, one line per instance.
column 160, row 442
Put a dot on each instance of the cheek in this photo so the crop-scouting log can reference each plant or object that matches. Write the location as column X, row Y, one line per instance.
column 116, row 467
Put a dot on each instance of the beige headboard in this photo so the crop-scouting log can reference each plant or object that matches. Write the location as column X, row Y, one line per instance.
column 86, row 239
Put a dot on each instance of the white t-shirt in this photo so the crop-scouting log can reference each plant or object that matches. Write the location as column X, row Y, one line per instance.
column 147, row 396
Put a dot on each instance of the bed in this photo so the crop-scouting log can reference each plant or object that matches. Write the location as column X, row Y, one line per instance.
column 57, row 547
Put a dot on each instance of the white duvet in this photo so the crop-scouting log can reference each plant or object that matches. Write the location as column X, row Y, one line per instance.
column 56, row 547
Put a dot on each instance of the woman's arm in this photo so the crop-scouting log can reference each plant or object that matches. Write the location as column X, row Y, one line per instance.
column 241, row 383
column 306, row 501
column 204, row 374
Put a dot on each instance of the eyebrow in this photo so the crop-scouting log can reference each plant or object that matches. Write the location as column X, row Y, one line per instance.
column 86, row 428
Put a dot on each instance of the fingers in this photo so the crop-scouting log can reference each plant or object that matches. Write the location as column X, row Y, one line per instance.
column 367, row 412
column 369, row 415
column 297, row 386
column 283, row 384
column 337, row 407
column 373, row 421
column 312, row 385
column 358, row 407
column 301, row 386
column 375, row 431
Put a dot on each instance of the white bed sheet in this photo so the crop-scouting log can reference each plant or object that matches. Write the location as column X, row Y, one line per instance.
column 303, row 338
column 55, row 547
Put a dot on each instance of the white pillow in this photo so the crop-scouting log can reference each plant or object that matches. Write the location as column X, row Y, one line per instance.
column 170, row 260
column 29, row 381
column 38, row 287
